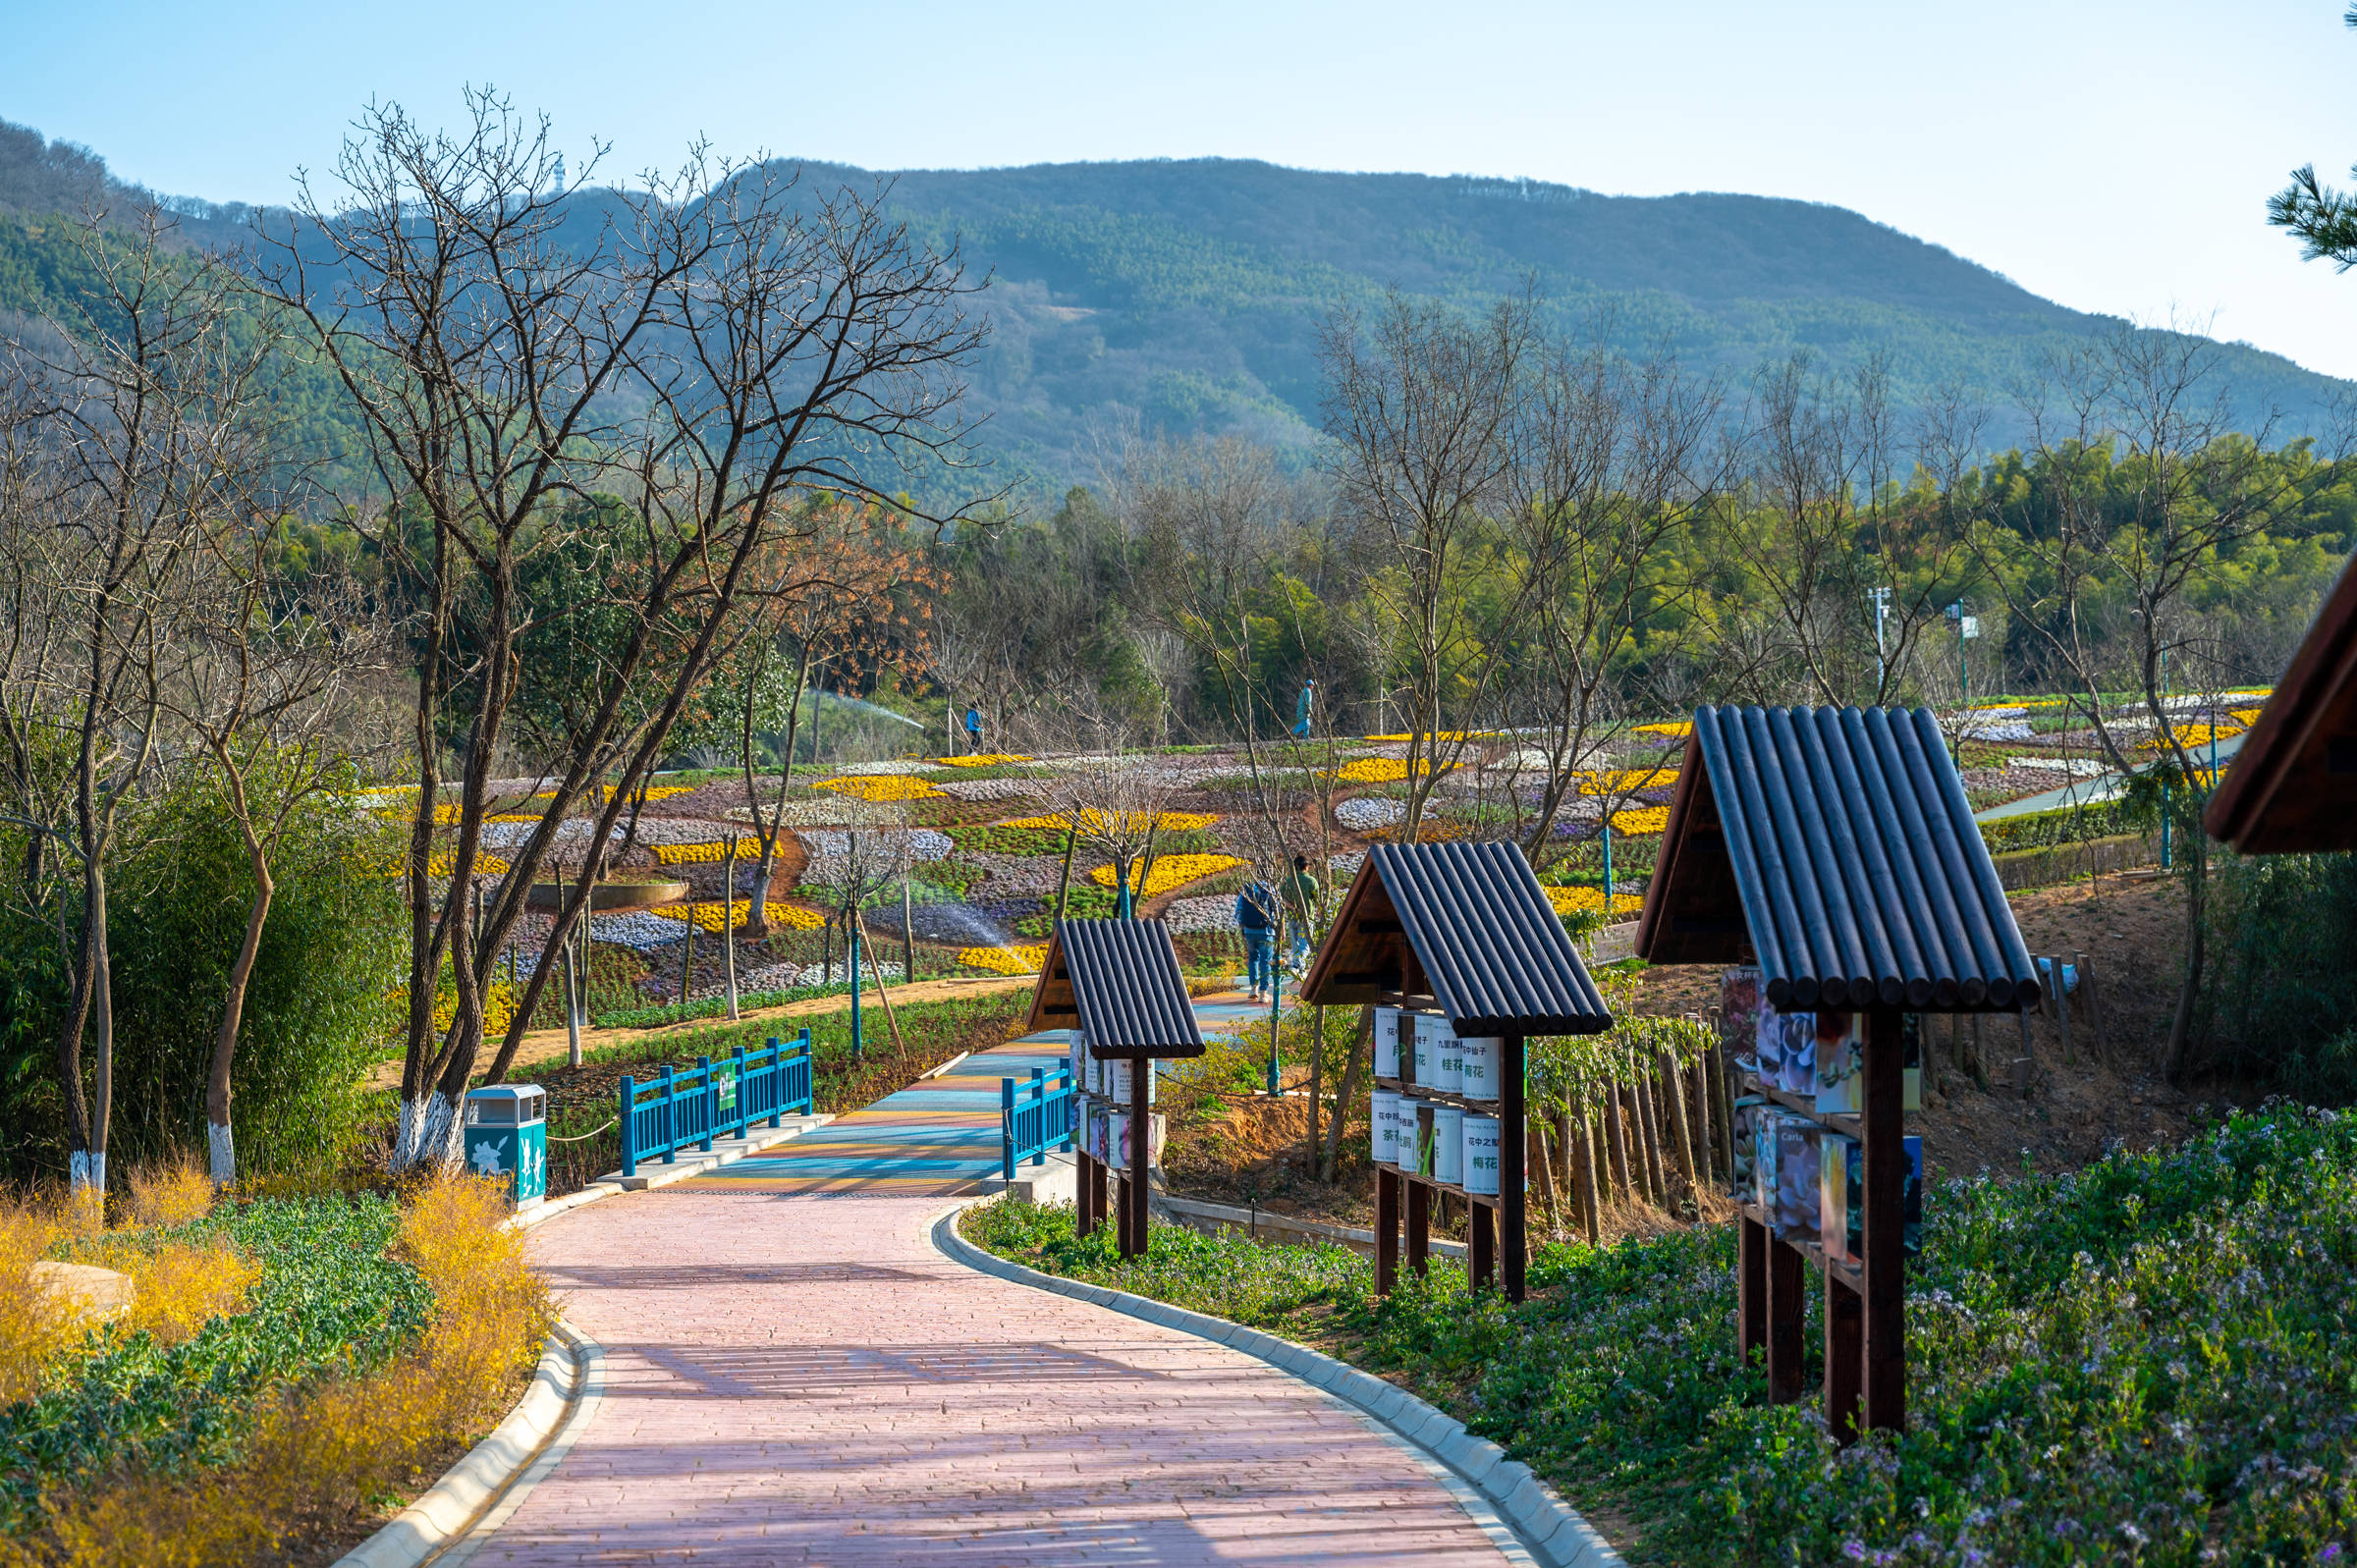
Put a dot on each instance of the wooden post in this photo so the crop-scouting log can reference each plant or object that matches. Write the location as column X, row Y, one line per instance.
column 1481, row 1238
column 1141, row 1147
column 1751, row 1288
column 1419, row 1228
column 2062, row 1002
column 1616, row 1143
column 1584, row 1159
column 1120, row 1214
column 1386, row 1229
column 1885, row 1162
column 1785, row 1289
column 1513, row 1172
column 2095, row 1009
column 1084, row 1221
column 1844, row 1354
column 1649, row 1137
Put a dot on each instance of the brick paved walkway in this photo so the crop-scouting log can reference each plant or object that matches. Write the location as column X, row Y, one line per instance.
column 801, row 1379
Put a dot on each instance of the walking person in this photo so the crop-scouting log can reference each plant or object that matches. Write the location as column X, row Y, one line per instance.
column 1302, row 709
column 973, row 730
column 1256, row 918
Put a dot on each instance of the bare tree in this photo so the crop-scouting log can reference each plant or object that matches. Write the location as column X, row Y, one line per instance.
column 261, row 663
column 2144, row 484
column 1422, row 405
column 711, row 350
column 147, row 399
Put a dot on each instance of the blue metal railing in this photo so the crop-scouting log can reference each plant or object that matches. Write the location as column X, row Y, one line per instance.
column 713, row 1100
column 1037, row 1120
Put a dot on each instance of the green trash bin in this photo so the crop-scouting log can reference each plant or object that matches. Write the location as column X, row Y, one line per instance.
column 507, row 1135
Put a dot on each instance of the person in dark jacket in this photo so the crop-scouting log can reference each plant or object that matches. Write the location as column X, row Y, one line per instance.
column 1256, row 918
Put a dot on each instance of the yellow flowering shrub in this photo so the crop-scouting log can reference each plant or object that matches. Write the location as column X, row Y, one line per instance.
column 2192, row 734
column 1005, row 961
column 499, row 1008
column 749, row 848
column 1681, row 728
column 879, row 788
column 1170, row 871
column 708, row 916
column 1639, row 821
column 601, row 795
column 990, row 759
column 1623, row 781
column 1446, row 737
column 33, row 1332
column 1379, row 770
column 1094, row 821
column 1586, row 900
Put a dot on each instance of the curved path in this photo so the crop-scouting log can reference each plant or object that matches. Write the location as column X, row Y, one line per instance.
column 805, row 1378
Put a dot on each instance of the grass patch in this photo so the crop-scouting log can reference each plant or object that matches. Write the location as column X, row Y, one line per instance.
column 2148, row 1362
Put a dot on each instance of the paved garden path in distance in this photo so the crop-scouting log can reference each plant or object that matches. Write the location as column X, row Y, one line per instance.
column 795, row 1373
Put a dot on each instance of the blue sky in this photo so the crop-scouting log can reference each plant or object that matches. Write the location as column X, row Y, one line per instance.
column 2114, row 156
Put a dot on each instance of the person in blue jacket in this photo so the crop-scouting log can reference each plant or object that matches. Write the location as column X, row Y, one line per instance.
column 1256, row 918
column 1302, row 710
column 973, row 730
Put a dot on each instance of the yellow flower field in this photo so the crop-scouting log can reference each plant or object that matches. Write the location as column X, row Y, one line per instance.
column 749, row 848
column 881, row 788
column 1586, row 900
column 1093, row 821
column 708, row 916
column 1639, row 821
column 1379, row 770
column 1681, row 728
column 1446, row 737
column 990, row 759
column 1170, row 871
column 1005, row 961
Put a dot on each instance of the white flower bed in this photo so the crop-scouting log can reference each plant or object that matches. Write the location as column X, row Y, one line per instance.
column 891, row 767
column 2010, row 730
column 1025, row 876
column 988, row 788
column 835, row 844
column 2074, row 767
column 1366, row 813
column 1344, row 866
column 1523, row 761
column 1201, row 914
column 637, row 930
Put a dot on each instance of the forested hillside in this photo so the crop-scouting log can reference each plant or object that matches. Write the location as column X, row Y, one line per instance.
column 1186, row 297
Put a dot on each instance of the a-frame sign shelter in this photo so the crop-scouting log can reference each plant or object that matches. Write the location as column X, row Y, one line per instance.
column 1466, row 930
column 2294, row 781
column 1118, row 982
column 1834, row 847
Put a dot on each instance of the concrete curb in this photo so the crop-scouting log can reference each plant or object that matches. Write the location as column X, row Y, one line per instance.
column 568, row 1378
column 1550, row 1528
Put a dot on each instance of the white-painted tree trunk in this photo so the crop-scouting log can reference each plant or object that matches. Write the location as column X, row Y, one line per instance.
column 430, row 1135
column 85, row 1173
column 222, row 1150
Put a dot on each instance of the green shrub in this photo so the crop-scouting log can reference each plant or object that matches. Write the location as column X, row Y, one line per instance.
column 2147, row 1362
column 2280, row 1009
column 317, row 1007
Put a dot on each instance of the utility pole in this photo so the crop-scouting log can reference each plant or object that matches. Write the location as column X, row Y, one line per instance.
column 1882, row 608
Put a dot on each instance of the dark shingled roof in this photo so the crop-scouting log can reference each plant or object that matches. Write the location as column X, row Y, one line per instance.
column 1119, row 980
column 1840, row 842
column 1468, row 921
column 2294, row 783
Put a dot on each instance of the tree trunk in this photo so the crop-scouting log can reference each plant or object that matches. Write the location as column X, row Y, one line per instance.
column 1583, row 1154
column 1673, row 1100
column 220, row 1145
column 1362, row 1048
column 1063, row 876
column 1649, row 1142
column 1536, row 1156
column 1616, row 1139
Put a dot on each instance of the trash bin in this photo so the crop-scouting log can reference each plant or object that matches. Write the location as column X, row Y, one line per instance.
column 507, row 1135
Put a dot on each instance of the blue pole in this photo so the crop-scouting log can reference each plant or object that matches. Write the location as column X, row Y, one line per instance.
column 1007, row 1129
column 1608, row 867
column 1039, row 1098
column 670, row 1116
column 1276, row 991
column 629, row 1128
column 852, row 926
column 2165, row 815
column 777, row 1066
column 711, row 1099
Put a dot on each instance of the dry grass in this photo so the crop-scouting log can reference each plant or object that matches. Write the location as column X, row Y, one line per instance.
column 33, row 1332
column 322, row 1455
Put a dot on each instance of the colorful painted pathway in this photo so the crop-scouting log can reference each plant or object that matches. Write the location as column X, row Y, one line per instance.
column 938, row 1137
column 793, row 1372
